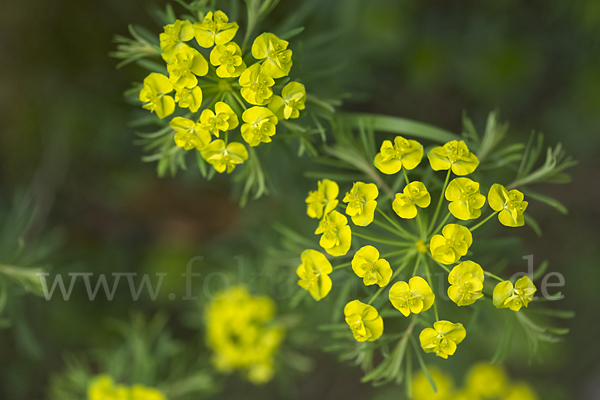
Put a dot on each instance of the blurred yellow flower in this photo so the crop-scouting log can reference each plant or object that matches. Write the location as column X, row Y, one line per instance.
column 521, row 391
column 414, row 194
column 452, row 244
column 466, row 280
column 361, row 203
column 322, row 200
column 139, row 392
column 510, row 204
column 214, row 30
column 259, row 125
column 486, row 380
column 507, row 296
column 155, row 95
column 367, row 265
column 223, row 157
column 422, row 390
column 314, row 274
column 415, row 296
column 403, row 153
column 336, row 234
column 277, row 57
column 364, row 321
column 443, row 338
column 453, row 155
column 102, row 387
column 465, row 198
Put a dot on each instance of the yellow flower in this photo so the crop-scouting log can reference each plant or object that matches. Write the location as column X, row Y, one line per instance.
column 374, row 270
column 256, row 86
column 154, row 95
column 455, row 155
column 510, row 204
column 422, row 390
column 451, row 245
column 102, row 387
column 465, row 198
column 278, row 60
column 486, row 380
column 361, row 203
column 521, row 391
column 314, row 274
column 171, row 40
column 187, row 63
column 291, row 101
column 325, row 197
column 415, row 296
column 217, row 31
column 336, row 234
column 403, row 153
column 466, row 283
column 242, row 333
column 507, row 296
column 259, row 125
column 415, row 194
column 223, row 157
column 443, row 338
column 364, row 321
column 139, row 392
column 189, row 134
column 223, row 120
column 189, row 98
column 228, row 57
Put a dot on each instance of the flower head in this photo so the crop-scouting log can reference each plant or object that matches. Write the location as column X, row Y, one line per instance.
column 102, row 387
column 291, row 101
column 228, row 57
column 465, row 198
column 521, row 391
column 173, row 37
column 154, row 95
column 443, row 338
column 466, row 283
column 415, row 296
column 336, row 234
column 322, row 200
column 364, row 321
column 451, row 245
column 189, row 98
column 514, row 297
column 223, row 119
column 422, row 390
column 278, row 59
column 259, row 125
column 189, row 134
column 314, row 274
column 140, row 392
column 256, row 86
column 453, row 155
column 214, row 30
column 374, row 270
column 187, row 63
column 403, row 153
column 361, row 203
column 414, row 194
column 510, row 204
column 225, row 157
column 486, row 380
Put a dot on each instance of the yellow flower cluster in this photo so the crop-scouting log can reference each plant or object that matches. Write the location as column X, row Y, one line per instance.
column 482, row 382
column 444, row 245
column 190, row 75
column 103, row 387
column 242, row 333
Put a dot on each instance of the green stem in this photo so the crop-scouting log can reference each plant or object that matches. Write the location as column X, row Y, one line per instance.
column 395, row 253
column 484, row 221
column 382, row 241
column 440, row 225
column 416, row 265
column 428, row 275
column 493, row 276
column 389, row 229
column 396, row 225
column 440, row 264
column 405, row 175
column 437, row 209
column 347, row 264
column 239, row 100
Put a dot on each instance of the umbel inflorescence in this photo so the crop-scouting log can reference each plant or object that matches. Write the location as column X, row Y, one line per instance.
column 420, row 237
column 215, row 87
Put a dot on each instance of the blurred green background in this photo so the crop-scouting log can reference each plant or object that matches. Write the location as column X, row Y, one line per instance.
column 64, row 136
